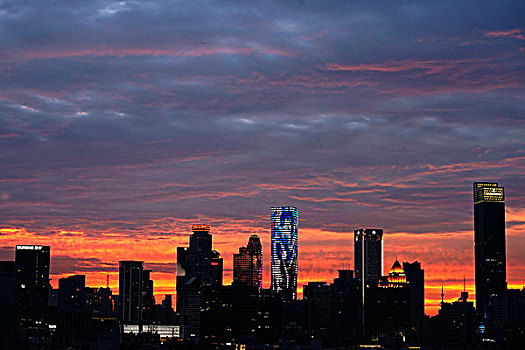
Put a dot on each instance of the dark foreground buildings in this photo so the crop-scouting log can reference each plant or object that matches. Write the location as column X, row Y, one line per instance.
column 367, row 310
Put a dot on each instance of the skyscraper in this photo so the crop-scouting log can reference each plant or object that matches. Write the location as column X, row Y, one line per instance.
column 130, row 291
column 148, row 298
column 31, row 288
column 416, row 283
column 489, row 242
column 247, row 265
column 368, row 264
column 197, row 265
column 284, row 221
column 368, row 255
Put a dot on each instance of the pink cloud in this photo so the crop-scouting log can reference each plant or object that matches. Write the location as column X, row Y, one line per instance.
column 128, row 51
column 512, row 33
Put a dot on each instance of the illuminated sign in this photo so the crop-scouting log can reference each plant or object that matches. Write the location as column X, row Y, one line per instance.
column 488, row 192
column 201, row 228
column 28, row 247
column 493, row 194
column 164, row 331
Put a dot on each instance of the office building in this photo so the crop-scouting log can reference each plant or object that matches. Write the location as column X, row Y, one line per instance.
column 415, row 277
column 489, row 242
column 199, row 260
column 148, row 298
column 197, row 266
column 31, row 291
column 368, row 255
column 130, row 299
column 284, row 246
column 247, row 265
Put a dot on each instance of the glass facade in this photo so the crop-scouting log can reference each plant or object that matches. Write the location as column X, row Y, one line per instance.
column 247, row 265
column 368, row 254
column 284, row 230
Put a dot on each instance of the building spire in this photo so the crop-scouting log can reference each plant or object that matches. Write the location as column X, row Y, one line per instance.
column 464, row 283
column 442, row 294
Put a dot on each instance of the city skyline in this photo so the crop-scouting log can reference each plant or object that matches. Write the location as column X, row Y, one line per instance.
column 123, row 123
column 205, row 229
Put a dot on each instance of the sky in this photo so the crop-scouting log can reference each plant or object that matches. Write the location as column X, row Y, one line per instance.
column 124, row 123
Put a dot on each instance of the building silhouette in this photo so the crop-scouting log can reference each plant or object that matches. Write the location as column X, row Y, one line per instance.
column 148, row 298
column 346, row 309
column 7, row 301
column 318, row 298
column 31, row 292
column 71, row 290
column 197, row 266
column 247, row 264
column 387, row 306
column 506, row 319
column 284, row 246
column 489, row 242
column 453, row 326
column 130, row 299
column 416, row 283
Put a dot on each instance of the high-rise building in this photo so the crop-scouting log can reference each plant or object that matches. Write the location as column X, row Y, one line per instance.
column 284, row 244
column 368, row 255
column 489, row 242
column 368, row 265
column 131, row 291
column 31, row 287
column 416, row 283
column 148, row 298
column 199, row 259
column 197, row 265
column 247, row 265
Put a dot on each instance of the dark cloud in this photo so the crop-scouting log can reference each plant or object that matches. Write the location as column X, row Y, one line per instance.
column 116, row 116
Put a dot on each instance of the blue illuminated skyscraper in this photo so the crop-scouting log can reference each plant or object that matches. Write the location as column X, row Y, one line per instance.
column 284, row 251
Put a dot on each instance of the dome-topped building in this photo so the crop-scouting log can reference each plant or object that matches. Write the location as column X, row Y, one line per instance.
column 396, row 277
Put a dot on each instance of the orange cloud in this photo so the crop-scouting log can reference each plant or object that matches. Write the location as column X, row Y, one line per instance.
column 445, row 256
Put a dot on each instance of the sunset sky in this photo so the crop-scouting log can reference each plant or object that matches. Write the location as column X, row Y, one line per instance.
column 123, row 123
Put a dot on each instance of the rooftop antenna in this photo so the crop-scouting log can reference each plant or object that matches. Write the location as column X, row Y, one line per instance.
column 442, row 293
column 464, row 283
column 107, row 281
